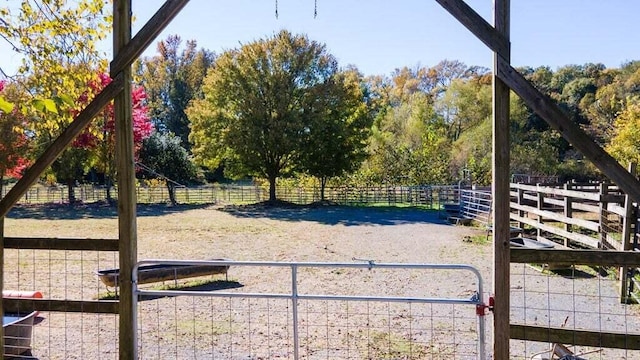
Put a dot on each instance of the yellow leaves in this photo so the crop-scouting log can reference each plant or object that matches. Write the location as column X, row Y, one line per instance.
column 5, row 106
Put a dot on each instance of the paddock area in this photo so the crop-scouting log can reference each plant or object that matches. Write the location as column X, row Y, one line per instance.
column 187, row 325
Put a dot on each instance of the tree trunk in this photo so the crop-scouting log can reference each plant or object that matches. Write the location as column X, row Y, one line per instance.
column 172, row 194
column 272, row 188
column 107, row 183
column 323, row 185
column 71, row 189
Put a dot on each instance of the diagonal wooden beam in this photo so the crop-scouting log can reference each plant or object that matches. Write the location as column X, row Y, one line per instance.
column 547, row 109
column 53, row 151
column 477, row 25
column 146, row 35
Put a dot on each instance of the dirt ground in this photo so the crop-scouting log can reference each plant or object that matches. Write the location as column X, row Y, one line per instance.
column 261, row 233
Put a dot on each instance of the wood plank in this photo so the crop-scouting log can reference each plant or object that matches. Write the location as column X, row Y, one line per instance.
column 590, row 225
column 500, row 188
column 61, row 244
column 584, row 239
column 576, row 257
column 145, row 36
column 547, row 109
column 560, row 192
column 477, row 25
column 92, row 307
column 52, row 152
column 576, row 337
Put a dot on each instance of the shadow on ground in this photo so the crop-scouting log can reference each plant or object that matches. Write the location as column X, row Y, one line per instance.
column 91, row 211
column 212, row 285
column 337, row 215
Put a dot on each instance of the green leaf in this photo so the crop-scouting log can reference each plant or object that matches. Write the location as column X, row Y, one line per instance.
column 5, row 106
column 50, row 105
column 66, row 99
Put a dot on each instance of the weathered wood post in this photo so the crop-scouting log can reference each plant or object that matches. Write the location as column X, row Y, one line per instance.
column 540, row 197
column 604, row 217
column 125, row 163
column 568, row 212
column 500, row 189
column 630, row 217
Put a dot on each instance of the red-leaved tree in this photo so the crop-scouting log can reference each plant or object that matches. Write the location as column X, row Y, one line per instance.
column 100, row 138
column 14, row 143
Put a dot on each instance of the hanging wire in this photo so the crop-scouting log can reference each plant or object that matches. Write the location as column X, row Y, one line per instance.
column 276, row 9
column 315, row 9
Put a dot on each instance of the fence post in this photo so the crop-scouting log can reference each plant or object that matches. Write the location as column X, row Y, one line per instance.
column 625, row 237
column 568, row 212
column 604, row 218
column 521, row 213
column 540, row 206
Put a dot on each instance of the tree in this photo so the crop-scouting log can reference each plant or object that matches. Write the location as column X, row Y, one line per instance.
column 57, row 40
column 625, row 144
column 337, row 139
column 261, row 102
column 171, row 80
column 14, row 143
column 162, row 156
column 97, row 142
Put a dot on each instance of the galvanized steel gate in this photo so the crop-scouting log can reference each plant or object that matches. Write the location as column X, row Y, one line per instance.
column 312, row 315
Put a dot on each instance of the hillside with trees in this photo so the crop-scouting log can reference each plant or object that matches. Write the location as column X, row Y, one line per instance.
column 282, row 107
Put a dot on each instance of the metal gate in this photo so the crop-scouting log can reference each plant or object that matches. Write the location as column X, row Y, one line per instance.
column 304, row 310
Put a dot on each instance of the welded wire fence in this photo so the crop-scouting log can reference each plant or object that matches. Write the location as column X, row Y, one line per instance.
column 577, row 298
column 427, row 196
column 60, row 275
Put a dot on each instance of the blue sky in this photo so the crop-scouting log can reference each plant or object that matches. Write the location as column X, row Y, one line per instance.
column 378, row 36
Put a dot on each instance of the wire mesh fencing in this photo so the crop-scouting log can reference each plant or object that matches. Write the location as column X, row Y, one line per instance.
column 55, row 276
column 584, row 300
column 309, row 311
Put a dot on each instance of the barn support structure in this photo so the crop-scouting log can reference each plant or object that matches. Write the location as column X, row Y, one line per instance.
column 506, row 78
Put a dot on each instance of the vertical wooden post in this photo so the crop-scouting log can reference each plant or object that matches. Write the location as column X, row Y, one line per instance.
column 540, row 196
column 500, row 185
column 127, row 231
column 521, row 213
column 568, row 212
column 604, row 217
column 626, row 237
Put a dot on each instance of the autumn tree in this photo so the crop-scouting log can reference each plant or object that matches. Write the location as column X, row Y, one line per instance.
column 57, row 41
column 173, row 78
column 261, row 104
column 14, row 143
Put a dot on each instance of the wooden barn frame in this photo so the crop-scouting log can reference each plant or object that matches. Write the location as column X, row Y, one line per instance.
column 505, row 78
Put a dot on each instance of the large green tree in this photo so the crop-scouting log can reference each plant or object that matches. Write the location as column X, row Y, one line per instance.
column 262, row 102
column 173, row 78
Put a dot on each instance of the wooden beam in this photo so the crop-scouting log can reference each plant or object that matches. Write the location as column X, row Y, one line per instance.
column 576, row 337
column 547, row 109
column 500, row 188
column 475, row 23
column 576, row 257
column 61, row 244
column 94, row 307
column 53, row 151
column 125, row 165
column 146, row 35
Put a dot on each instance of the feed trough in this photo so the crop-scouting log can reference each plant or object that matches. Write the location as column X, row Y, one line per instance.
column 162, row 272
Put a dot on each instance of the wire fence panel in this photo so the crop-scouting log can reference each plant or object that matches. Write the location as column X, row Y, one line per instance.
column 308, row 311
column 62, row 275
column 576, row 298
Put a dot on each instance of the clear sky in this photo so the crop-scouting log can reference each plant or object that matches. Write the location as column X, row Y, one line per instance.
column 378, row 36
